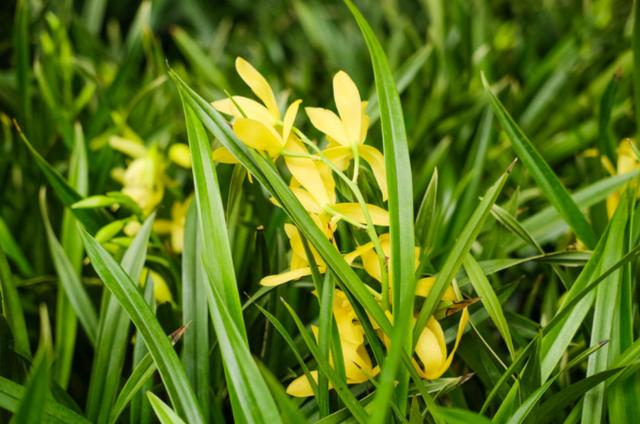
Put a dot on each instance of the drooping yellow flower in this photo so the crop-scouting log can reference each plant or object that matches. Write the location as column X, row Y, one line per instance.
column 431, row 349
column 258, row 125
column 627, row 162
column 174, row 226
column 143, row 180
column 347, row 131
column 179, row 154
column 357, row 362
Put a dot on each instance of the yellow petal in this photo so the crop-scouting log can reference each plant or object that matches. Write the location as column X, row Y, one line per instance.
column 249, row 108
column 129, row 147
column 289, row 119
column 430, row 351
column 359, row 251
column 365, row 124
column 301, row 387
column 627, row 159
column 378, row 215
column 464, row 318
column 180, row 155
column 376, row 161
column 222, row 155
column 328, row 123
column 258, row 85
column 285, row 277
column 257, row 135
column 308, row 174
column 162, row 226
column 424, row 286
column 340, row 156
column 308, row 202
column 349, row 107
column 161, row 290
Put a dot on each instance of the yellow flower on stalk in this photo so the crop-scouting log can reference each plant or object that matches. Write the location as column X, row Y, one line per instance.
column 347, row 131
column 258, row 125
column 174, row 226
column 627, row 162
column 357, row 362
column 143, row 180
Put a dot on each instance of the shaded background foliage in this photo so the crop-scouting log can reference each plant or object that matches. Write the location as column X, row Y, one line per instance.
column 103, row 65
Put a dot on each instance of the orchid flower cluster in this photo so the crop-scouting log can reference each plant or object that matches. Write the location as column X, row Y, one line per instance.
column 314, row 168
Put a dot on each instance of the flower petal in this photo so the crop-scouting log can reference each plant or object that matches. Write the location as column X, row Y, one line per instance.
column 257, row 135
column 378, row 215
column 129, row 147
column 328, row 123
column 339, row 155
column 180, row 155
column 349, row 106
column 289, row 119
column 285, row 277
column 249, row 108
column 301, row 387
column 307, row 173
column 364, row 127
column 430, row 351
column 375, row 159
column 222, row 155
column 424, row 286
column 258, row 85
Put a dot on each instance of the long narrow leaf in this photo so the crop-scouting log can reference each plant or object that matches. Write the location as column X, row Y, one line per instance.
column 126, row 291
column 542, row 173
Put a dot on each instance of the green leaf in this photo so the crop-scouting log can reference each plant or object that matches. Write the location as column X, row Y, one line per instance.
column 458, row 252
column 69, row 278
column 195, row 347
column 243, row 377
column 11, row 248
column 400, row 206
column 635, row 44
column 12, row 308
column 12, row 394
column 113, row 333
column 31, row 409
column 89, row 218
column 606, row 305
column 542, row 173
column 127, row 293
column 569, row 395
column 165, row 414
column 489, row 299
column 561, row 330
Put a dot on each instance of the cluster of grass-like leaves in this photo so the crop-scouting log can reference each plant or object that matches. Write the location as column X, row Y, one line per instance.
column 543, row 249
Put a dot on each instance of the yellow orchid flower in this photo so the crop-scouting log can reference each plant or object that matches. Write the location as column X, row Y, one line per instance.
column 258, row 125
column 175, row 226
column 299, row 265
column 627, row 162
column 347, row 131
column 144, row 178
column 357, row 362
column 431, row 360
